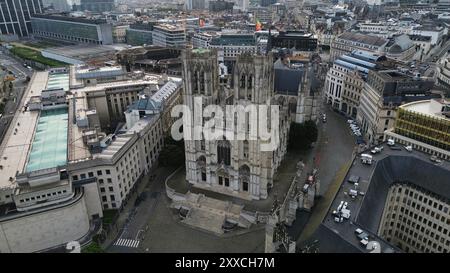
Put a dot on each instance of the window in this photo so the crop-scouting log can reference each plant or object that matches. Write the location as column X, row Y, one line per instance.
column 109, row 180
column 104, row 199
column 102, row 189
column 111, row 189
column 99, row 172
column 220, row 180
column 75, row 177
column 100, row 181
column 112, row 198
column 108, row 171
column 83, row 176
column 91, row 174
column 203, row 176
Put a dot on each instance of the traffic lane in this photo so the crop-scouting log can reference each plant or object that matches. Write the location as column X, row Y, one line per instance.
column 337, row 147
column 14, row 65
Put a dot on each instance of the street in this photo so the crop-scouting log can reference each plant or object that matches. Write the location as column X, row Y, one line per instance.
column 19, row 86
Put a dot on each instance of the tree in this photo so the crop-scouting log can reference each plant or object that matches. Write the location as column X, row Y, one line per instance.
column 92, row 248
column 173, row 153
column 302, row 135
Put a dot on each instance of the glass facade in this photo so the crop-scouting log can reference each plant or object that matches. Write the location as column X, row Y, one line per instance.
column 74, row 30
column 15, row 16
column 427, row 129
column 137, row 37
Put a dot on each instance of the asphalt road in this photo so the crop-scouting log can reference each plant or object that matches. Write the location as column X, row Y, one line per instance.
column 336, row 147
column 19, row 86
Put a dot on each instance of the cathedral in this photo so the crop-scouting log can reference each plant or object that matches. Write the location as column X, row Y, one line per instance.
column 231, row 165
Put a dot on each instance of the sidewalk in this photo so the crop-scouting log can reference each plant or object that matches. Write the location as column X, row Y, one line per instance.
column 141, row 186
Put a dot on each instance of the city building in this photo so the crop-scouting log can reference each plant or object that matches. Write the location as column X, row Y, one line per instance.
column 443, row 72
column 98, row 6
column 400, row 48
column 60, row 170
column 425, row 125
column 350, row 41
column 109, row 92
column 203, row 39
column 37, row 197
column 151, row 59
column 383, row 92
column 298, row 40
column 238, row 168
column 345, row 80
column 166, row 35
column 16, row 14
column 72, row 29
column 220, row 5
column 119, row 33
column 435, row 32
column 80, row 54
column 59, row 5
column 140, row 34
column 230, row 45
column 397, row 204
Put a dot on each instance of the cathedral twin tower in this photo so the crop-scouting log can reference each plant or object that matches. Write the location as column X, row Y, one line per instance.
column 236, row 167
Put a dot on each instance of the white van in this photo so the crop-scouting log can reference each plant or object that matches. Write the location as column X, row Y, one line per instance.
column 366, row 159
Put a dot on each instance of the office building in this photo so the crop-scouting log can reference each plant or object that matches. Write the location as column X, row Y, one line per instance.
column 350, row 41
column 166, row 35
column 298, row 40
column 399, row 204
column 382, row 94
column 15, row 16
column 71, row 29
column 140, row 34
column 97, row 6
column 232, row 45
column 425, row 125
column 345, row 80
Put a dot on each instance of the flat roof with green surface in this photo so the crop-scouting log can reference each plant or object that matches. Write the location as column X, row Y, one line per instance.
column 49, row 147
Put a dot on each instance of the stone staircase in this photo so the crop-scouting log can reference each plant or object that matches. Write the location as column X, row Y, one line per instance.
column 205, row 220
column 210, row 214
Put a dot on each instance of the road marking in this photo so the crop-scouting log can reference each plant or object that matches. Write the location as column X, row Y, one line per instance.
column 127, row 243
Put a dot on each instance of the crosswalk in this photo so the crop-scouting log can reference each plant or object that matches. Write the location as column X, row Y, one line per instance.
column 127, row 243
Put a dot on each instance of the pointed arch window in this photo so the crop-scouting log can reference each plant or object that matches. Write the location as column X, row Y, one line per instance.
column 224, row 152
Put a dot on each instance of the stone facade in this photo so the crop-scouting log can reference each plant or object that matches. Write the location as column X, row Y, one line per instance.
column 233, row 167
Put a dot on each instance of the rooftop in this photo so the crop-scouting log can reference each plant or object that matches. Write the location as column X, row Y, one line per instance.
column 49, row 148
column 428, row 107
column 70, row 19
column 17, row 140
column 363, row 38
column 150, row 79
column 167, row 90
column 390, row 167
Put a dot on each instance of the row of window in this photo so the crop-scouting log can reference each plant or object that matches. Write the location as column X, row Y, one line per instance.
column 43, row 196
